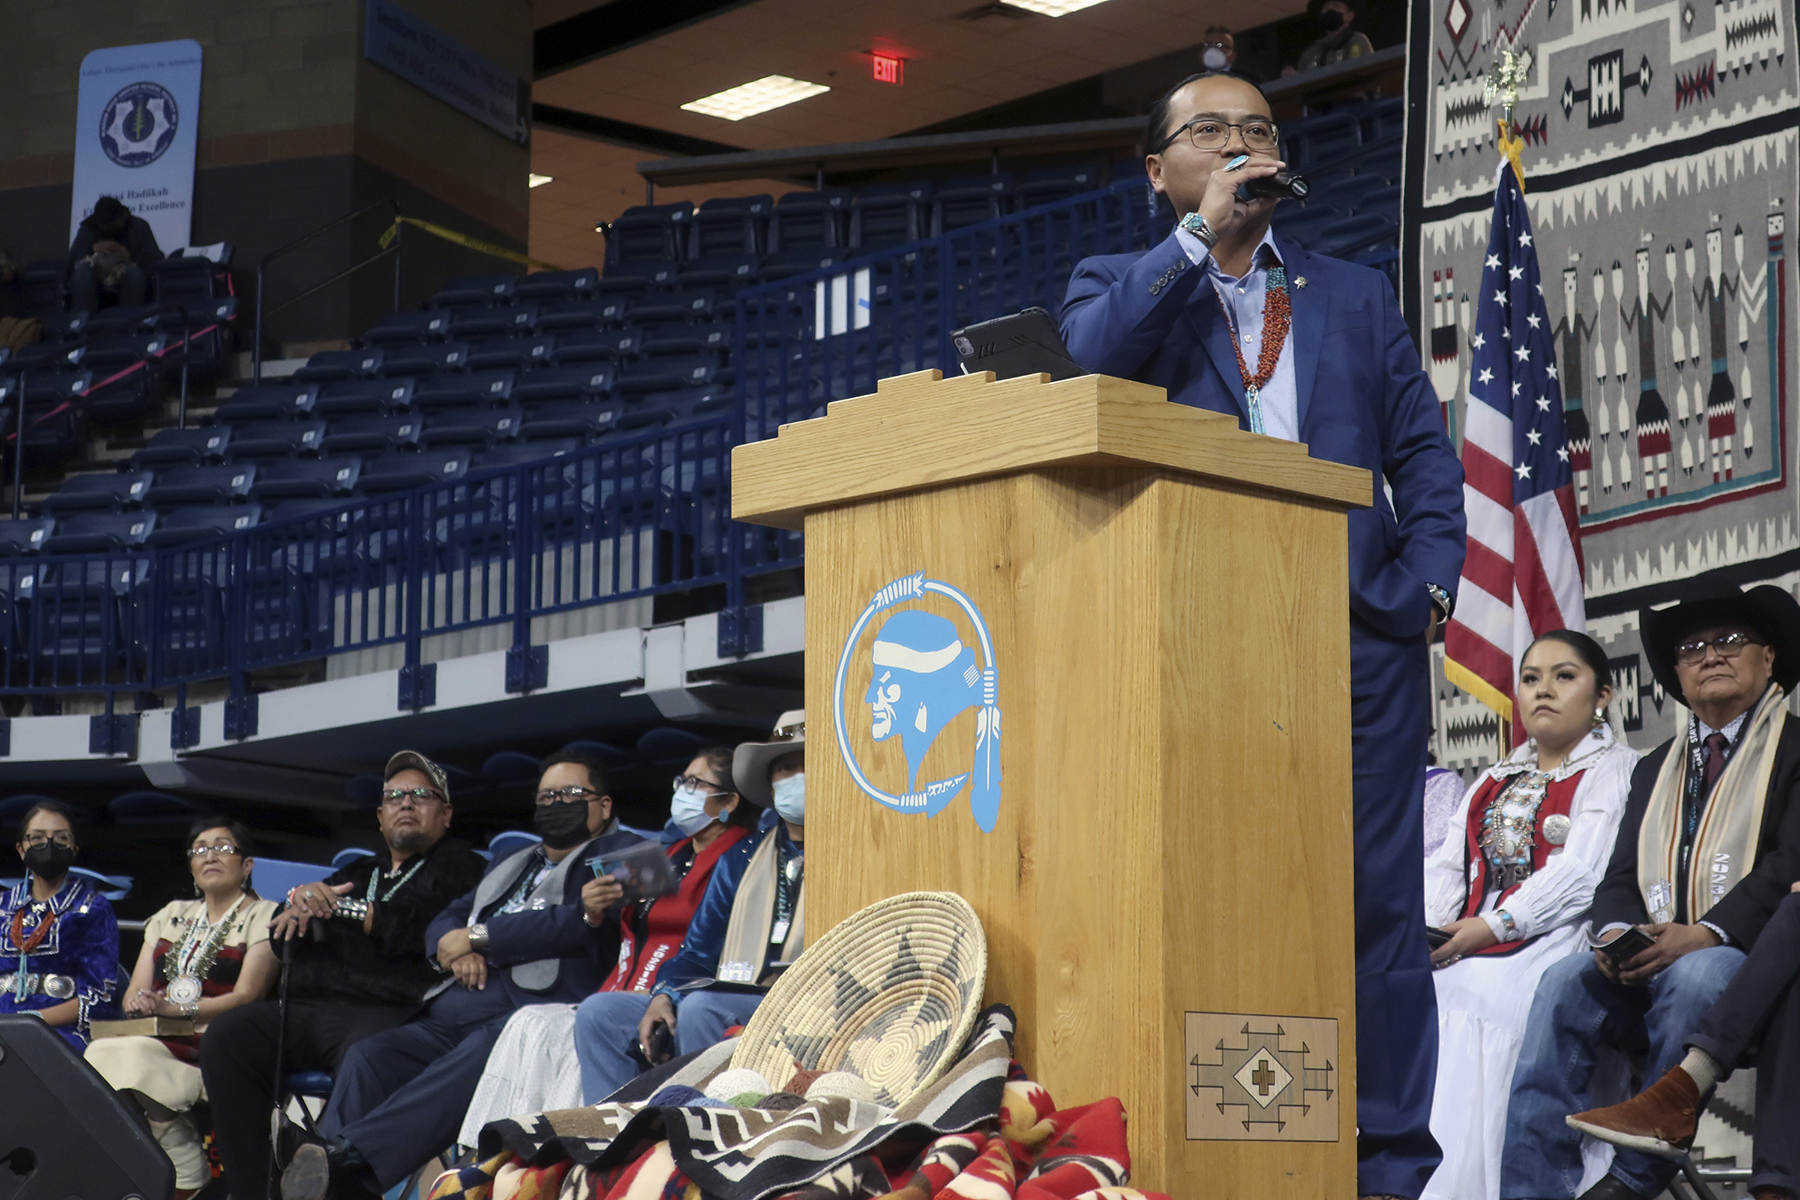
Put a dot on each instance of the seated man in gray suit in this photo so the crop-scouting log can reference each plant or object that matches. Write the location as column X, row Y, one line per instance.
column 519, row 938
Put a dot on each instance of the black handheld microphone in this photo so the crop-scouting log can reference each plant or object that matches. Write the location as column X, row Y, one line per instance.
column 1284, row 184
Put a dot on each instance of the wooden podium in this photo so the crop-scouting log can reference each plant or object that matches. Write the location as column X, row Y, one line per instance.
column 1166, row 877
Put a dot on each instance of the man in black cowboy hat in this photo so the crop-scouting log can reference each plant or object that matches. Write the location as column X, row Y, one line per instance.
column 1707, row 848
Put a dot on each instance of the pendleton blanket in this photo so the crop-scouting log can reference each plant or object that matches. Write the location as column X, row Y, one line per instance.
column 1660, row 159
column 983, row 1131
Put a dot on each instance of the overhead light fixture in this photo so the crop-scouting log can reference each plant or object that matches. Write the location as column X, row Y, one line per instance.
column 1052, row 8
column 757, row 96
column 535, row 180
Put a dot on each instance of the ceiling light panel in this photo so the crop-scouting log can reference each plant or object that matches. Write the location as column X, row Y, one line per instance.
column 761, row 95
column 537, row 181
column 1052, row 8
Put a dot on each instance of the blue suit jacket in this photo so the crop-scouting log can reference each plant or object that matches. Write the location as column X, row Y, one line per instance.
column 1153, row 318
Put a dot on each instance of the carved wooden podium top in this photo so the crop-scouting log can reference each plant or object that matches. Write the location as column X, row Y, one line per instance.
column 923, row 430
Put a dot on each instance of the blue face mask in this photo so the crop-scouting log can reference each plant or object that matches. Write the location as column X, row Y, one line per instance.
column 688, row 810
column 790, row 798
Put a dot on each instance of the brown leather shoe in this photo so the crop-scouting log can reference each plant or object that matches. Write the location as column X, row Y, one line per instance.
column 1658, row 1120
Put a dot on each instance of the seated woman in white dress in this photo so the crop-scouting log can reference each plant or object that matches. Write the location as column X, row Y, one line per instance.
column 200, row 957
column 1511, row 883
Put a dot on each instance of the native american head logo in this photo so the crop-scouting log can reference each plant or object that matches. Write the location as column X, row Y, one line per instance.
column 923, row 675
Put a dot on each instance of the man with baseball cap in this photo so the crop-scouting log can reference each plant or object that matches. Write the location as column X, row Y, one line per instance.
column 750, row 924
column 359, row 963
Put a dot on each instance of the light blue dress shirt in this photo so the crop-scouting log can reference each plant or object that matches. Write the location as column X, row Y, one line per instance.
column 1243, row 300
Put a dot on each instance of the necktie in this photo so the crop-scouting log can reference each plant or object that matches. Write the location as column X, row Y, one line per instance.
column 1715, row 744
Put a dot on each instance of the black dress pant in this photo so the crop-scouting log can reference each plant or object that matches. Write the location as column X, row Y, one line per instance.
column 1761, row 1009
column 237, row 1063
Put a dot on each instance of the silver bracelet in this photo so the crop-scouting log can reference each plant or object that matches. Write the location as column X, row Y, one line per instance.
column 354, row 910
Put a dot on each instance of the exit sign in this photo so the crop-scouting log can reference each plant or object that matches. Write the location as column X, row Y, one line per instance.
column 889, row 70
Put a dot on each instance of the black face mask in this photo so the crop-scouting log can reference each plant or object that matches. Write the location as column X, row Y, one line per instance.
column 49, row 861
column 1331, row 20
column 562, row 824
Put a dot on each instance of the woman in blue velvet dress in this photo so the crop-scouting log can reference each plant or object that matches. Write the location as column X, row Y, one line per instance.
column 59, row 942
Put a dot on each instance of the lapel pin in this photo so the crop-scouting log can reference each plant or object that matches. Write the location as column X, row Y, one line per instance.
column 1299, row 281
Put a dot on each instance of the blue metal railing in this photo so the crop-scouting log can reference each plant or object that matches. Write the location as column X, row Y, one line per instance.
column 634, row 515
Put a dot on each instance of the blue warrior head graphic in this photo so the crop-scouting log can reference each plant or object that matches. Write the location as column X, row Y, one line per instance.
column 924, row 677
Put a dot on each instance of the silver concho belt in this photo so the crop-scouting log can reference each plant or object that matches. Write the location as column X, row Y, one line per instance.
column 57, row 987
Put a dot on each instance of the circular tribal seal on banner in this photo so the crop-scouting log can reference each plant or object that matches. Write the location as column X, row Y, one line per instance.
column 138, row 124
column 923, row 676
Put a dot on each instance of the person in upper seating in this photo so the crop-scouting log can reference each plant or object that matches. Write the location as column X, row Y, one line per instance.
column 1225, row 315
column 520, row 937
column 109, row 254
column 59, row 941
column 359, row 964
column 1760, row 1008
column 1219, row 53
column 750, row 923
column 1511, row 883
column 201, row 958
column 1708, row 845
column 531, row 1069
column 1339, row 41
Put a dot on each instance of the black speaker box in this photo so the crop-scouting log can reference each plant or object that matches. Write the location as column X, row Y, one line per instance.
column 65, row 1134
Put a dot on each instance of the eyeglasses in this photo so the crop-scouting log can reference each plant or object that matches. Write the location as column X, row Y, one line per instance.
column 1211, row 133
column 398, row 798
column 222, row 851
column 792, row 731
column 38, row 839
column 567, row 794
column 1729, row 645
column 705, row 787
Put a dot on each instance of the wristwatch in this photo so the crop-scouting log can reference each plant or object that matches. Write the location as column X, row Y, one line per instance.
column 1196, row 224
column 1442, row 598
column 478, row 938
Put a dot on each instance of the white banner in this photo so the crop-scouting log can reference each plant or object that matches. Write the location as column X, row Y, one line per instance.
column 137, row 121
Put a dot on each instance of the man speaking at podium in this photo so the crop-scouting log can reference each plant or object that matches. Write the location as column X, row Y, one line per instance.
column 1224, row 315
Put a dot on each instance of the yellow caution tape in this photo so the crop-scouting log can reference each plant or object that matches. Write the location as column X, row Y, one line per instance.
column 463, row 239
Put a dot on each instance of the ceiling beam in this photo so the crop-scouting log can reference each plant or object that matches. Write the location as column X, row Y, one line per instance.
column 624, row 133
column 609, row 28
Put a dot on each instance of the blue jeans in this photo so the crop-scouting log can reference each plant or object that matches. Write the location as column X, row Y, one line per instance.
column 606, row 1026
column 1577, row 1010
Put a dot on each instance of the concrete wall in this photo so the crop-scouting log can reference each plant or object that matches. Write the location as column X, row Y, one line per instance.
column 295, row 129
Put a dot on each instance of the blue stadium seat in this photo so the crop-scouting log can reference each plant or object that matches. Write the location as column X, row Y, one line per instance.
column 268, row 401
column 648, row 233
column 454, row 391
column 1319, row 139
column 99, row 532
column 370, row 434
column 109, row 493
column 424, row 359
column 1355, row 235
column 810, row 222
column 603, row 345
column 659, row 408
column 511, row 454
column 729, row 226
column 731, row 273
column 197, row 522
column 183, row 447
column 330, row 366
column 1046, row 185
column 970, row 200
column 1346, row 195
column 25, row 536
column 398, row 470
column 510, row 354
column 139, row 808
column 795, row 262
column 666, row 374
column 475, row 289
column 684, row 305
column 41, row 289
column 364, row 396
column 511, row 841
column 563, row 383
column 573, row 315
column 478, row 427
column 1302, row 225
column 569, row 418
column 128, row 398
column 308, row 478
column 890, row 214
column 267, row 441
column 178, row 486
column 407, row 328
column 516, row 320
column 556, row 285
column 108, row 354
column 275, row 878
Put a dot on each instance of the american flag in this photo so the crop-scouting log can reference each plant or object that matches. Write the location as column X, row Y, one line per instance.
column 1523, row 573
